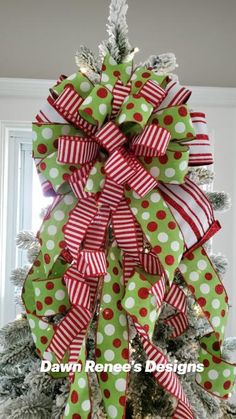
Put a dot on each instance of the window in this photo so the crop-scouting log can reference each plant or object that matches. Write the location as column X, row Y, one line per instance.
column 21, row 195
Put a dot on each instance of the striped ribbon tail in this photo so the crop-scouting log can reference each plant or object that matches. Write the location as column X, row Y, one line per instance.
column 97, row 230
column 77, row 225
column 78, row 180
column 179, row 321
column 200, row 151
column 91, row 263
column 111, row 194
column 125, row 232
column 176, row 95
column 48, row 114
column 192, row 210
column 76, row 320
column 168, row 380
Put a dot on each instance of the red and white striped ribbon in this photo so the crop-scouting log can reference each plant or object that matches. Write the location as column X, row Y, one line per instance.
column 111, row 194
column 110, row 137
column 177, row 299
column 141, row 181
column 118, row 167
column 76, row 150
column 96, row 232
column 78, row 290
column 167, row 379
column 76, row 320
column 200, row 151
column 150, row 263
column 153, row 93
column 152, row 142
column 84, row 125
column 91, row 263
column 80, row 218
column 119, row 92
column 68, row 102
column 125, row 232
column 78, row 180
column 176, row 95
column 49, row 114
column 158, row 290
column 75, row 348
column 191, row 209
column 129, row 265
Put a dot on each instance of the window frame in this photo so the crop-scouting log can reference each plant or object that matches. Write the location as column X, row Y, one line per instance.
column 13, row 190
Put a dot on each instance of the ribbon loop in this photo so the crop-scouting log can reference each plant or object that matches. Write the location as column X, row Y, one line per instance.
column 96, row 106
column 110, row 137
column 76, row 150
column 153, row 93
column 119, row 167
column 152, row 142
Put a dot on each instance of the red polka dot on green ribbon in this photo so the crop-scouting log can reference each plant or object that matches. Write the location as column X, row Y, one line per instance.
column 135, row 110
column 45, row 137
column 160, row 228
column 37, row 271
column 177, row 121
column 97, row 105
column 79, row 404
column 207, row 288
column 111, row 72
column 140, row 303
column 79, row 81
column 51, row 234
column 172, row 167
column 51, row 296
column 219, row 375
column 141, row 75
column 209, row 292
column 112, row 344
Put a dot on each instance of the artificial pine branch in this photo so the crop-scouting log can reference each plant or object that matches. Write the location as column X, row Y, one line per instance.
column 117, row 45
column 29, row 406
column 220, row 201
column 220, row 263
column 33, row 252
column 26, row 240
column 17, row 331
column 85, row 58
column 162, row 63
column 18, row 275
column 201, row 175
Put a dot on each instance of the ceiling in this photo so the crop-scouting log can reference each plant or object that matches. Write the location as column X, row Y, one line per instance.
column 38, row 39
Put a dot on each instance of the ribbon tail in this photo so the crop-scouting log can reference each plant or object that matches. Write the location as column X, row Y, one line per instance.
column 112, row 345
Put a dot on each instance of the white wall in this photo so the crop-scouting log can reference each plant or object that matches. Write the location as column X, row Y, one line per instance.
column 21, row 99
column 38, row 39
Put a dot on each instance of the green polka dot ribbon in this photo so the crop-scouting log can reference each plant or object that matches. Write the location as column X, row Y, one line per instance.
column 105, row 149
column 112, row 337
column 160, row 228
column 79, row 400
column 203, row 281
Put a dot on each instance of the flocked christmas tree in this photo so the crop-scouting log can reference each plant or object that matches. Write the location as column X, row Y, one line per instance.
column 27, row 393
